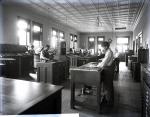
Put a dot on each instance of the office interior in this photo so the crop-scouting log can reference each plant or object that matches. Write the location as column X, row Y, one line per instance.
column 74, row 30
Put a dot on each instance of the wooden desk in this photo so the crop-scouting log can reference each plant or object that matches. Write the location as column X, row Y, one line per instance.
column 25, row 97
column 85, row 60
column 88, row 75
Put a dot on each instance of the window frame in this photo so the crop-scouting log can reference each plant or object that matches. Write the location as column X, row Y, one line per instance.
column 40, row 33
column 27, row 31
column 99, row 42
column 91, row 43
column 122, row 44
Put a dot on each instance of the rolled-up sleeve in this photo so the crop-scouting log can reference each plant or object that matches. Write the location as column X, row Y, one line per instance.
column 106, row 60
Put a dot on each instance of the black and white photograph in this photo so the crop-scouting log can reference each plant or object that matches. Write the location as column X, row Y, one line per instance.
column 74, row 58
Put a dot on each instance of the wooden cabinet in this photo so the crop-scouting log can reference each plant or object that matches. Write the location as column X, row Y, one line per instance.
column 52, row 72
column 131, row 59
column 9, row 68
column 17, row 61
column 17, row 65
column 143, row 55
column 145, row 84
column 128, row 53
column 25, row 64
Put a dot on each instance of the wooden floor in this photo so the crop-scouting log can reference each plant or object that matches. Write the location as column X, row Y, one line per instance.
column 127, row 98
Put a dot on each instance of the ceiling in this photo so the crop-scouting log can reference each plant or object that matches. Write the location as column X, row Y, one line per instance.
column 89, row 15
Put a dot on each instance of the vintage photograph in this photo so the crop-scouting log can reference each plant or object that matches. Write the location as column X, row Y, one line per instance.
column 74, row 58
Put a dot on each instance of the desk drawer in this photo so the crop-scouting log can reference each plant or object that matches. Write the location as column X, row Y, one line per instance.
column 88, row 77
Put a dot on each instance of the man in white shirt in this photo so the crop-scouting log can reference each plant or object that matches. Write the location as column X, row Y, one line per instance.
column 108, row 58
column 107, row 73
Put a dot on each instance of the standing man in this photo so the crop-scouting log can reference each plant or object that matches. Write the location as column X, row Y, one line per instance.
column 108, row 58
column 107, row 73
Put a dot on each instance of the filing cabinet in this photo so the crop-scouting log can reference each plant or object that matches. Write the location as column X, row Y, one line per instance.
column 16, row 59
column 145, row 84
column 51, row 72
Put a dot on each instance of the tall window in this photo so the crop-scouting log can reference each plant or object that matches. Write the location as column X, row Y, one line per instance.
column 54, row 38
column 122, row 44
column 91, row 45
column 61, row 36
column 37, row 34
column 57, row 36
column 75, row 42
column 100, row 39
column 71, row 41
column 23, row 31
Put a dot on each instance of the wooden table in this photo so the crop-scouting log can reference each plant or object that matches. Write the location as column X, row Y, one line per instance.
column 87, row 74
column 85, row 60
column 25, row 97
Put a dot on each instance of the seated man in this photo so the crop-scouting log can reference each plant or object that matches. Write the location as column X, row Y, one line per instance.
column 107, row 78
column 31, row 50
column 44, row 55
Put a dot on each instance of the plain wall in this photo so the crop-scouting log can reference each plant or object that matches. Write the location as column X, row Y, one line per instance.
column 1, row 23
column 83, row 41
column 11, row 12
column 144, row 26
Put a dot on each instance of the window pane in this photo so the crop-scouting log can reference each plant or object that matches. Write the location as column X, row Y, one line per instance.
column 22, row 24
column 71, row 44
column 71, row 37
column 54, row 42
column 54, row 32
column 28, row 38
column 122, row 40
column 23, row 31
column 22, row 37
column 119, row 47
column 37, row 44
column 36, row 28
column 124, row 47
column 99, row 46
column 75, row 45
column 75, row 37
column 100, row 39
column 91, row 39
column 61, row 35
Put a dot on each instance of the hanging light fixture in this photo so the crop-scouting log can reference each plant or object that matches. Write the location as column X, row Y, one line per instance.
column 98, row 17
